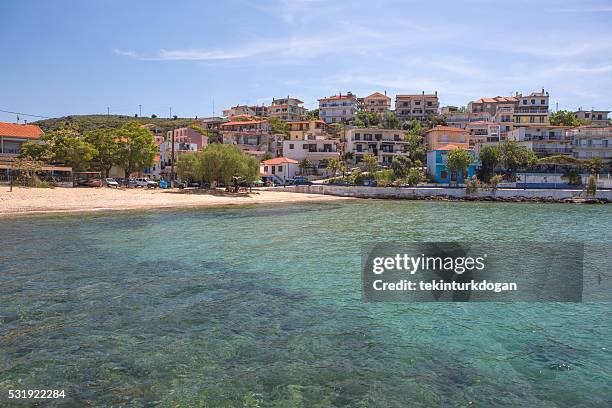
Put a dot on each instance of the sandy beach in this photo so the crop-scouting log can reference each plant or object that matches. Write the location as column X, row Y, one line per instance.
column 23, row 201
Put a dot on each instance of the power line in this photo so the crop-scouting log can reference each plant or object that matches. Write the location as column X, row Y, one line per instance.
column 24, row 114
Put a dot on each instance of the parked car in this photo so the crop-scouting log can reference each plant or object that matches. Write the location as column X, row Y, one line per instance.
column 130, row 182
column 185, row 184
column 92, row 182
column 111, row 182
column 145, row 182
column 299, row 181
column 270, row 182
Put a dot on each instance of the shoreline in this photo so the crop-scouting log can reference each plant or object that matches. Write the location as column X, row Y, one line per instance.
column 26, row 201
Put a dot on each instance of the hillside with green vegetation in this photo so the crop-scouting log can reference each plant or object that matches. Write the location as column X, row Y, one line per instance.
column 84, row 123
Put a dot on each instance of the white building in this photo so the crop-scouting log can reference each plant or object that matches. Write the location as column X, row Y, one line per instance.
column 590, row 142
column 338, row 108
column 317, row 150
column 385, row 144
column 282, row 168
column 543, row 140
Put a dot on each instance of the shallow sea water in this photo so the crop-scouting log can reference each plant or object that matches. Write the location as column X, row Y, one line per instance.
column 261, row 306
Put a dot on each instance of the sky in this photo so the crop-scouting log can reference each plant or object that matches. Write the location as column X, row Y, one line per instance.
column 198, row 57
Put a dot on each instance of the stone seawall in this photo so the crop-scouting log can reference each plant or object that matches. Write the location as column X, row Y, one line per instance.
column 437, row 193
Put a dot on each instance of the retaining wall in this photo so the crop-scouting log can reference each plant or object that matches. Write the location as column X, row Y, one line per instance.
column 459, row 193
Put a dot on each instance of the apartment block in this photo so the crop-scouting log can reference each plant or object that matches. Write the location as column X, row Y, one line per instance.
column 532, row 109
column 317, row 150
column 418, row 106
column 252, row 136
column 596, row 117
column 481, row 133
column 188, row 135
column 376, row 103
column 338, row 108
column 461, row 119
column 288, row 109
column 385, row 144
column 543, row 140
column 590, row 142
column 308, row 129
column 447, row 135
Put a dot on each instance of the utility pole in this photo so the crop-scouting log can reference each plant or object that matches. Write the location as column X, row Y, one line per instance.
column 171, row 117
column 172, row 162
column 107, row 111
column 139, row 110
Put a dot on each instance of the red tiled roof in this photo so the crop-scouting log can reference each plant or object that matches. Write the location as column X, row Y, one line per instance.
column 246, row 122
column 498, row 99
column 449, row 147
column 336, row 97
column 446, row 129
column 377, row 95
column 23, row 131
column 279, row 160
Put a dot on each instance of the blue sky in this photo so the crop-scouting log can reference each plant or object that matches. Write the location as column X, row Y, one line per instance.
column 78, row 57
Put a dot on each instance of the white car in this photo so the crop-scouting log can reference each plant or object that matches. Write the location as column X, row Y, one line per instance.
column 111, row 182
column 145, row 182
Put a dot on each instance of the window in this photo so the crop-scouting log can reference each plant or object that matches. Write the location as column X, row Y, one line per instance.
column 265, row 169
column 543, row 102
column 280, row 169
column 443, row 174
column 533, row 101
column 291, row 146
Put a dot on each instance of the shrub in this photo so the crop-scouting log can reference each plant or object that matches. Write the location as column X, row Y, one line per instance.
column 494, row 181
column 591, row 187
column 414, row 177
column 472, row 185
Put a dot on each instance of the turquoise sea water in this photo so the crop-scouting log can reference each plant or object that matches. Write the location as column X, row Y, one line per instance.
column 261, row 306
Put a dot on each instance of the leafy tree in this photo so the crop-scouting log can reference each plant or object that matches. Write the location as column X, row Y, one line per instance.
column 137, row 147
column 413, row 126
column 365, row 119
column 36, row 151
column 313, row 114
column 67, row 146
column 458, row 161
column 594, row 165
column 566, row 118
column 333, row 165
column 370, row 163
column 390, row 121
column 267, row 156
column 218, row 163
column 591, row 187
column 401, row 165
column 337, row 130
column 304, row 165
column 434, row 121
column 414, row 147
column 107, row 148
column 513, row 155
column 489, row 157
column 278, row 126
column 414, row 177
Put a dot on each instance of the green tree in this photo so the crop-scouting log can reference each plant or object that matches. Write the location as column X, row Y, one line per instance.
column 313, row 114
column 278, row 126
column 414, row 147
column 594, row 165
column 69, row 147
column 512, row 156
column 304, row 166
column 365, row 119
column 107, row 148
column 566, row 118
column 390, row 121
column 414, row 177
column 36, row 151
column 266, row 156
column 333, row 165
column 188, row 167
column 137, row 148
column 370, row 163
column 489, row 158
column 458, row 161
column 591, row 187
column 401, row 165
column 412, row 126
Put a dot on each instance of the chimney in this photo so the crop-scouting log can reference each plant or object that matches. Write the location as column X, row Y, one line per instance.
column 385, row 92
column 436, row 93
column 423, row 92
